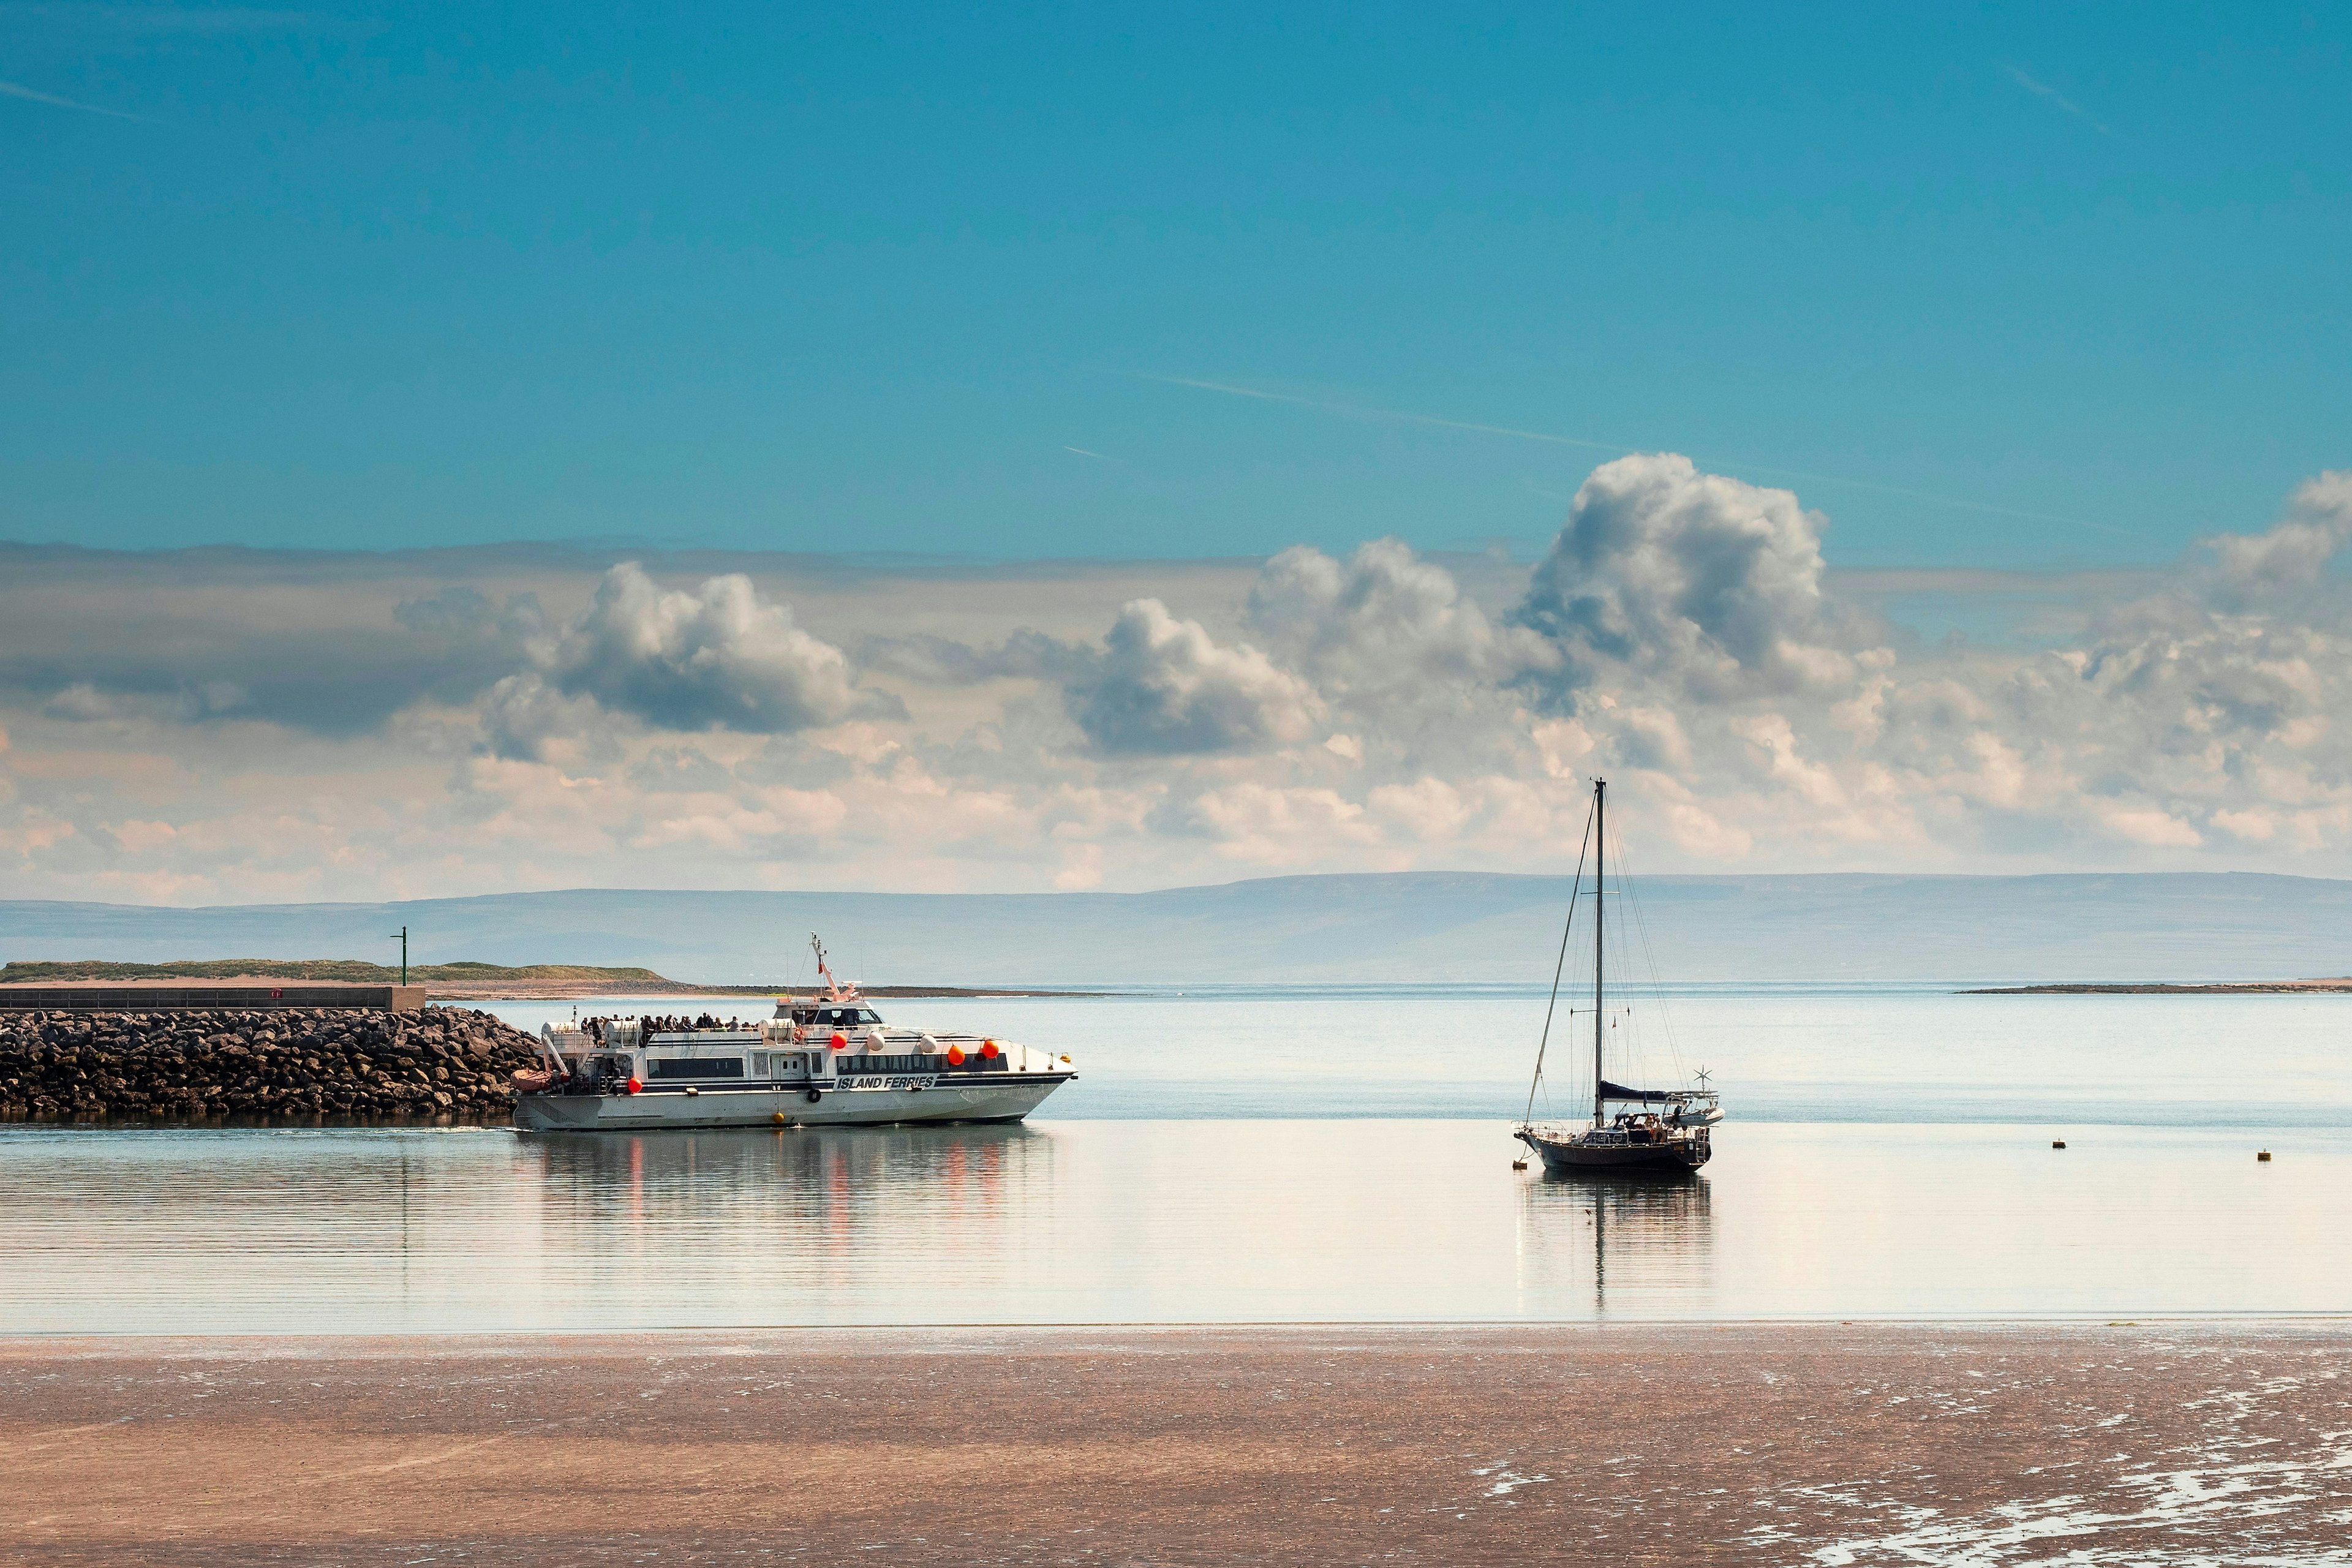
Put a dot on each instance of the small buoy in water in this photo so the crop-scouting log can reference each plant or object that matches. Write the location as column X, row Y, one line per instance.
column 1518, row 1164
column 778, row 1119
column 2264, row 1155
column 2057, row 1142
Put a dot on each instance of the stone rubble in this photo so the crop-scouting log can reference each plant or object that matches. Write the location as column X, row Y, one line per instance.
column 296, row 1063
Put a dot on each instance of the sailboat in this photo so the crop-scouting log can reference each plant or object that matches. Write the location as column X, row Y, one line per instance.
column 1664, row 1130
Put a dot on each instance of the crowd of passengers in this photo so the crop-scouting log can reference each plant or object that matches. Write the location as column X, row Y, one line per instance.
column 669, row 1024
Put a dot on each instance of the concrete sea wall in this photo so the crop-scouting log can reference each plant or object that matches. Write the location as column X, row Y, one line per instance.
column 291, row 1064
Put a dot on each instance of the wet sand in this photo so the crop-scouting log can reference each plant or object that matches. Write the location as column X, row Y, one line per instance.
column 1735, row 1444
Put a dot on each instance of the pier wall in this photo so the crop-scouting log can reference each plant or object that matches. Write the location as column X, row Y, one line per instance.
column 176, row 995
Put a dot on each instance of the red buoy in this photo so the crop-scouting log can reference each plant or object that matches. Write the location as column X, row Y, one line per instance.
column 955, row 1055
column 636, row 1084
column 988, row 1048
column 840, row 1041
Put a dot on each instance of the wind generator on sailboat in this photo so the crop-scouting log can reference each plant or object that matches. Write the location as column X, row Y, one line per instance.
column 1666, row 1129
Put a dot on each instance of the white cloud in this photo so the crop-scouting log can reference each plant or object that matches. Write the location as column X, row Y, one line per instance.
column 1707, row 585
column 1163, row 686
column 715, row 658
column 2287, row 562
column 1371, row 710
column 1382, row 623
column 522, row 714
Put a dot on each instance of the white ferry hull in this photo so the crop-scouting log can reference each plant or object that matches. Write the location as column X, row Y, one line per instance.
column 992, row 1097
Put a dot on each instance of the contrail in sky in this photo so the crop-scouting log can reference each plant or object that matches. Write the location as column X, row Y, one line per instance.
column 1548, row 438
column 1082, row 452
column 11, row 89
column 2044, row 90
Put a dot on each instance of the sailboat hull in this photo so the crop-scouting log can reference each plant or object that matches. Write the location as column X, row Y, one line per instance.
column 1563, row 1157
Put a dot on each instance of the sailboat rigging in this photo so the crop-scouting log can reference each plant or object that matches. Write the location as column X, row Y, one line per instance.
column 1668, row 1128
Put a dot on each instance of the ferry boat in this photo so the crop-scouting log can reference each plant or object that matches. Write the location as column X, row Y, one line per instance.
column 826, row 1060
column 1665, row 1130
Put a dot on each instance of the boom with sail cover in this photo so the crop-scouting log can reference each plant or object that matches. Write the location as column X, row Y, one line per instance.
column 1619, row 1091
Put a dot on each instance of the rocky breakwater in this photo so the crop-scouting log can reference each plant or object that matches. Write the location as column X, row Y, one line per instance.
column 295, row 1064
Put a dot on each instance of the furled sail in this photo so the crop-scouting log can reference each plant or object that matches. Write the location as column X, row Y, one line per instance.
column 1619, row 1091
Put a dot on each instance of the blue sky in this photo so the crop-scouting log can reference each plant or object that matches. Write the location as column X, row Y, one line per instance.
column 859, row 278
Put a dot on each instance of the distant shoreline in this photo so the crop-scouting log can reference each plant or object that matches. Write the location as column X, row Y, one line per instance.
column 2153, row 988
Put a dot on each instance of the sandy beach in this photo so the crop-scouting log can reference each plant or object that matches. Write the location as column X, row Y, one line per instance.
column 1824, row 1443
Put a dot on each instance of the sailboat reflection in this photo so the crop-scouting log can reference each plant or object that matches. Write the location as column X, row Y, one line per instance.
column 848, row 1222
column 1631, row 1246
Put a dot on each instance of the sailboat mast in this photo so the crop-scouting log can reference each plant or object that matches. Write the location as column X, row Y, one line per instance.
column 1600, row 868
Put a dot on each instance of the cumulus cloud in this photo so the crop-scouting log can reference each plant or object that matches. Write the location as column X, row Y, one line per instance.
column 1383, row 621
column 716, row 658
column 2287, row 562
column 1373, row 708
column 1163, row 686
column 1412, row 670
column 1707, row 583
column 521, row 715
column 1682, row 636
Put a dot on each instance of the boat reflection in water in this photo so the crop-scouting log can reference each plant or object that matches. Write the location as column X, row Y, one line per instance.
column 874, row 1225
column 1633, row 1245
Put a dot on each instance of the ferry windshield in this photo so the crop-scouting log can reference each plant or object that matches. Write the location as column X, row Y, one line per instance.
column 841, row 1017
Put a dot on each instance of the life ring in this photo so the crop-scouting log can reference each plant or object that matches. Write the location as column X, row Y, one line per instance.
column 815, row 1095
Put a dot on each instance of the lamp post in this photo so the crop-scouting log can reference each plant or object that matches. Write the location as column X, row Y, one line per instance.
column 400, row 936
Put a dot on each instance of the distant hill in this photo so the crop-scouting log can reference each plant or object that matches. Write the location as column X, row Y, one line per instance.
column 1351, row 930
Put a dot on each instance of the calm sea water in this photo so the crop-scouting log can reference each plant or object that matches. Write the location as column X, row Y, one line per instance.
column 1795, row 1054
column 1291, row 1157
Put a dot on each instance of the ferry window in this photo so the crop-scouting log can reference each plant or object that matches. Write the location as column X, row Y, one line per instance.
column 868, row 1015
column 696, row 1067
